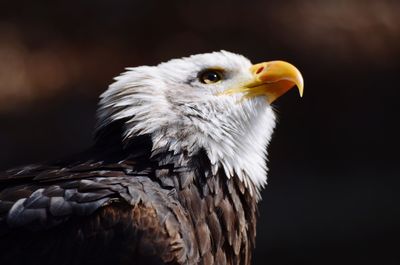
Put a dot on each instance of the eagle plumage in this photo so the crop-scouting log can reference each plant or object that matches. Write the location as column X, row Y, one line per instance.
column 173, row 177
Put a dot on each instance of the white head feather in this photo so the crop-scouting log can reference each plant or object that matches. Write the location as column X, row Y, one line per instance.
column 169, row 102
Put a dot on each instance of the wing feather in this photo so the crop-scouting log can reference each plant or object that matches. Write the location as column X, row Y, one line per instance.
column 91, row 212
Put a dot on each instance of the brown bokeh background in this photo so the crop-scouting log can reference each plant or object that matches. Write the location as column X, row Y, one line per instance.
column 333, row 187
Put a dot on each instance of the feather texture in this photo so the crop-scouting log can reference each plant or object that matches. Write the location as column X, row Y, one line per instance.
column 101, row 213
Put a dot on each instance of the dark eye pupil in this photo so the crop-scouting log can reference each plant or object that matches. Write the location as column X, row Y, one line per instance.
column 210, row 77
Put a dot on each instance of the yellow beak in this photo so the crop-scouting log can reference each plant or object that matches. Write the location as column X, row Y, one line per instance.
column 272, row 80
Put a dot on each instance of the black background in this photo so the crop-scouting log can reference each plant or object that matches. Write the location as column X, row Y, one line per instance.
column 333, row 186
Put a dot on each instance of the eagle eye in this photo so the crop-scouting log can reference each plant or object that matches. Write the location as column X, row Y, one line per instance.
column 210, row 76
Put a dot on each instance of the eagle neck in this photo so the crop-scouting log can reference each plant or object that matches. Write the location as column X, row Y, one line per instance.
column 221, row 209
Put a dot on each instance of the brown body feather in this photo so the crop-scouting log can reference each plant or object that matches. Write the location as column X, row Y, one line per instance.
column 131, row 205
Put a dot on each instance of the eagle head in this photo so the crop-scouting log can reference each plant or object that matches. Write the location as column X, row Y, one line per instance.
column 218, row 102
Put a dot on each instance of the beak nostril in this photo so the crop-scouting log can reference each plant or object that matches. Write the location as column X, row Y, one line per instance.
column 259, row 70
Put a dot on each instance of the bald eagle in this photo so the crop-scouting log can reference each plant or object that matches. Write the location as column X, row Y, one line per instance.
column 174, row 175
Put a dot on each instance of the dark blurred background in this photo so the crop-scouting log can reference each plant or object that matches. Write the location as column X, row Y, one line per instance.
column 334, row 179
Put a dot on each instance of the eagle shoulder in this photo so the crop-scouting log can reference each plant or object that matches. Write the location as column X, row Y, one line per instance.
column 100, row 213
